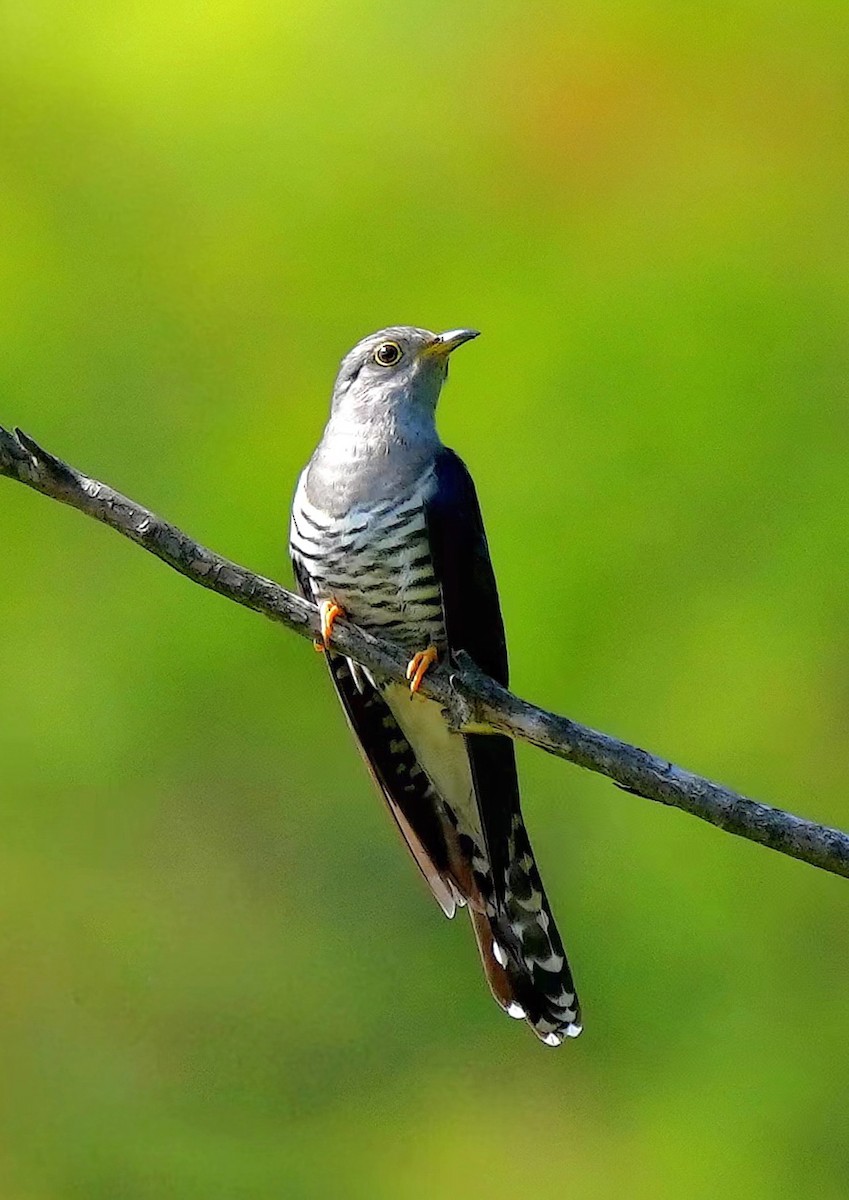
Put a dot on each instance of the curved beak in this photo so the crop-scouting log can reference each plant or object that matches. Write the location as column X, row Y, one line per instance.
column 446, row 342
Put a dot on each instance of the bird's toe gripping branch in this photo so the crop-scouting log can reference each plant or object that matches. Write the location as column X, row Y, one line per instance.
column 329, row 611
column 418, row 665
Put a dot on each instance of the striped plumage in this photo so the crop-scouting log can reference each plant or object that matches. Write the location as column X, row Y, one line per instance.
column 374, row 561
column 385, row 523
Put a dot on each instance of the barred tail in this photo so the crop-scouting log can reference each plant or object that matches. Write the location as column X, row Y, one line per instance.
column 521, row 951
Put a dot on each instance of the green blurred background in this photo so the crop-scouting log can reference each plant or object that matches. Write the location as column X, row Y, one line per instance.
column 221, row 975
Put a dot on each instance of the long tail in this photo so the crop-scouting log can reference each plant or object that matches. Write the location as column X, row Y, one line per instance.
column 485, row 858
column 521, row 951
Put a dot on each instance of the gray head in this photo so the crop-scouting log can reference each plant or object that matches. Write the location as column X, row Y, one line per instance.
column 395, row 375
column 381, row 430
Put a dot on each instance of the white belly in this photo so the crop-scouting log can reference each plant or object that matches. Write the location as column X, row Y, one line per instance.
column 441, row 753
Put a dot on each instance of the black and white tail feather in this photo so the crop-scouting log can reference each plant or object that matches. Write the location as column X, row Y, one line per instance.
column 519, row 944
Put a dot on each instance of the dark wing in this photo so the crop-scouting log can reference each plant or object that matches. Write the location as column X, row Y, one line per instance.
column 463, row 568
column 473, row 623
column 537, row 975
column 390, row 759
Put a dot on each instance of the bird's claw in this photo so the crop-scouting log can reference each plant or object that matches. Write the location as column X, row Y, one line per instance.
column 329, row 610
column 418, row 665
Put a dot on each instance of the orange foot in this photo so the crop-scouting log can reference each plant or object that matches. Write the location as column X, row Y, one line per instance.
column 329, row 610
column 417, row 666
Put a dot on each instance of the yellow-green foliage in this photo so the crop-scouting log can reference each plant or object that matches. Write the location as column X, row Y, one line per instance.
column 221, row 975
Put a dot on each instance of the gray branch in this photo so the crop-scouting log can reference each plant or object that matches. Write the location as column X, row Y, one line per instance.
column 473, row 702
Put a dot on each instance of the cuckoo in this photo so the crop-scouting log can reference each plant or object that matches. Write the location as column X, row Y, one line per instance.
column 386, row 530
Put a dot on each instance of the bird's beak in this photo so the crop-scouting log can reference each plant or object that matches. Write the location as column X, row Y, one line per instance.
column 446, row 342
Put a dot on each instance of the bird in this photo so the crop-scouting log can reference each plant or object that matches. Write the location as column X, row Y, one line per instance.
column 386, row 531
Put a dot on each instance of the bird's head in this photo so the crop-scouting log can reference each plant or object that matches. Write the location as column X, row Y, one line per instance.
column 398, row 371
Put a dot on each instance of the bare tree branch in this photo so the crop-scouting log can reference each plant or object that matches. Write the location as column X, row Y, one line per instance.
column 473, row 701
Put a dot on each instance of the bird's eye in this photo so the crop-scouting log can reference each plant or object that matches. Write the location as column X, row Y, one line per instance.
column 388, row 354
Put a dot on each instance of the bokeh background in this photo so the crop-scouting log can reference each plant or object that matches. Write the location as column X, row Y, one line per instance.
column 221, row 976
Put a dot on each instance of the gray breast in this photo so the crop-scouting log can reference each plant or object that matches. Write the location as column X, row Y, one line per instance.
column 374, row 561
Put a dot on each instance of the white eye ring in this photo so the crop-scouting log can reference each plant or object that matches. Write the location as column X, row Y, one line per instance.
column 388, row 354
